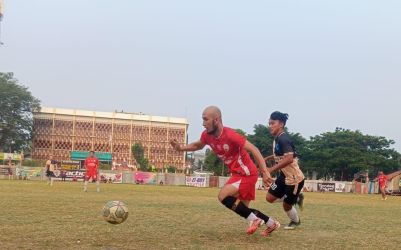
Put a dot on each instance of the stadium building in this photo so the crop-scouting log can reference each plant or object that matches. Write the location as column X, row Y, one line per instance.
column 64, row 133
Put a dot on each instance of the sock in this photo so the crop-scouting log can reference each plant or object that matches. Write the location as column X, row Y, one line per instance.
column 260, row 215
column 270, row 222
column 293, row 214
column 86, row 185
column 97, row 186
column 251, row 217
column 237, row 206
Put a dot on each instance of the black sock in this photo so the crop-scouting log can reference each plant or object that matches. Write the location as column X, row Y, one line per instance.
column 237, row 206
column 260, row 215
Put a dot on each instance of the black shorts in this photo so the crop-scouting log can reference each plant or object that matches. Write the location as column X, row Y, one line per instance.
column 279, row 189
column 49, row 173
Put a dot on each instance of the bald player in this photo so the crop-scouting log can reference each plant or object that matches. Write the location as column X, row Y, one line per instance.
column 232, row 149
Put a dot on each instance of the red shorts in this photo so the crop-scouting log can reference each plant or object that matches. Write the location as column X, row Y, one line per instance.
column 246, row 186
column 382, row 186
column 91, row 174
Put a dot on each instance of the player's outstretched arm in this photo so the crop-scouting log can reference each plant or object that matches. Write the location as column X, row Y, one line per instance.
column 287, row 159
column 197, row 145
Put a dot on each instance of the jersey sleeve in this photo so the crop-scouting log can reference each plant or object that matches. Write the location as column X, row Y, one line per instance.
column 286, row 145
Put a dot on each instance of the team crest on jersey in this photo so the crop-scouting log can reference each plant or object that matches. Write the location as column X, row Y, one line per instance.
column 226, row 147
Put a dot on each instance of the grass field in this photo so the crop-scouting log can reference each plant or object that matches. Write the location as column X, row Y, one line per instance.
column 37, row 216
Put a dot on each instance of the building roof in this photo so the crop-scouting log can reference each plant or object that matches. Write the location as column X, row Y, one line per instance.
column 394, row 174
column 113, row 115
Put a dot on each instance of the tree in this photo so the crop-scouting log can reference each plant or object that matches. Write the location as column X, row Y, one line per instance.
column 214, row 164
column 139, row 155
column 262, row 139
column 16, row 114
column 342, row 153
column 171, row 169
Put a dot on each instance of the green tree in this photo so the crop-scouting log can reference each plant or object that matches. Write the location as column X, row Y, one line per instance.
column 213, row 164
column 262, row 139
column 171, row 169
column 342, row 153
column 16, row 108
column 139, row 154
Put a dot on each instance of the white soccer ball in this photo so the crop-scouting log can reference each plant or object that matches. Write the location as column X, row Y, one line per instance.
column 115, row 212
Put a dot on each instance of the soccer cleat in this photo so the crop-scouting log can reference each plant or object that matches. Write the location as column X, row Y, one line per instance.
column 292, row 225
column 255, row 224
column 270, row 229
column 300, row 201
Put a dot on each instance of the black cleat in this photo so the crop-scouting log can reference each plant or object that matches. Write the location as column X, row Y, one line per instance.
column 292, row 225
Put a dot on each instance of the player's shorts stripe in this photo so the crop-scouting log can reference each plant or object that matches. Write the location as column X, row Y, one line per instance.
column 243, row 166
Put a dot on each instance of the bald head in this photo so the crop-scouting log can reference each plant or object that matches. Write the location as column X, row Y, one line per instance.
column 212, row 112
column 212, row 120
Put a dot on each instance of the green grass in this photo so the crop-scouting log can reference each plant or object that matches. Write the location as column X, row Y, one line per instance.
column 37, row 216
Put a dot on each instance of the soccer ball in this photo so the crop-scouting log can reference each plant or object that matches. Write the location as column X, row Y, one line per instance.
column 115, row 212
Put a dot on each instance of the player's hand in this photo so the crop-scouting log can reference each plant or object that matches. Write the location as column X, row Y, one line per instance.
column 174, row 143
column 267, row 179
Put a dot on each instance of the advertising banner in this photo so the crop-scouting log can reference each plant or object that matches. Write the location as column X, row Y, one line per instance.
column 69, row 175
column 111, row 178
column 11, row 156
column 28, row 172
column 70, row 165
column 194, row 181
column 326, row 187
column 340, row 187
column 144, row 178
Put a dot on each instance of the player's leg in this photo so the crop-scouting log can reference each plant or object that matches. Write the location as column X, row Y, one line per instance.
column 51, row 179
column 246, row 195
column 300, row 201
column 86, row 180
column 276, row 191
column 383, row 191
column 97, row 183
column 292, row 194
column 48, row 176
column 228, row 196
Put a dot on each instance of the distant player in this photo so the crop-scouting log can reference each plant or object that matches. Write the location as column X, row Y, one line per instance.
column 91, row 166
column 49, row 170
column 232, row 149
column 290, row 181
column 382, row 179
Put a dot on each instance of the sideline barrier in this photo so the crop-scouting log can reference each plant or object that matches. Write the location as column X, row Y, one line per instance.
column 149, row 178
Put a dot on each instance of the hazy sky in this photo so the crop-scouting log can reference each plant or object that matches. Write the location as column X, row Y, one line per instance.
column 327, row 63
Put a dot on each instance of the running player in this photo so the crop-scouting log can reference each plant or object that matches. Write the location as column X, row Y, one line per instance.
column 233, row 150
column 382, row 178
column 290, row 181
column 91, row 166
